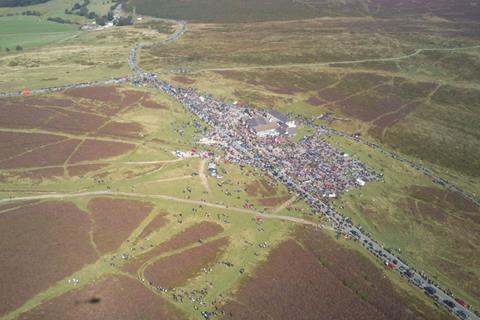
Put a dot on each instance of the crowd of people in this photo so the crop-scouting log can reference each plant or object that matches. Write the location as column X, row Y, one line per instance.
column 311, row 168
column 436, row 179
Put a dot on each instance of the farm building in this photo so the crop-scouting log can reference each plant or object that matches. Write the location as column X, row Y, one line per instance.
column 267, row 130
column 275, row 116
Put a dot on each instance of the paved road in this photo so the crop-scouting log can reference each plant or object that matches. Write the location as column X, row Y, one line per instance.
column 339, row 222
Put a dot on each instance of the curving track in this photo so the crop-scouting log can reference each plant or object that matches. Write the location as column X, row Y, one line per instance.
column 338, row 221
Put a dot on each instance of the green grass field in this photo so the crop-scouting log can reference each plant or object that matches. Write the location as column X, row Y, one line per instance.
column 84, row 57
column 29, row 31
column 437, row 241
column 277, row 64
column 56, row 8
column 188, row 200
column 292, row 66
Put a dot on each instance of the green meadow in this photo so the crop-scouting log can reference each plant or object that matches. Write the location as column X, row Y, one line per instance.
column 31, row 31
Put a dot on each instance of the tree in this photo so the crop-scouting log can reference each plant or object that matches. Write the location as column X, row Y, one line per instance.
column 7, row 49
column 76, row 6
column 101, row 21
column 19, row 48
column 92, row 15
column 125, row 21
column 83, row 11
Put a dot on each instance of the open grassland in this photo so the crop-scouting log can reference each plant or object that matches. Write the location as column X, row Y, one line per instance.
column 119, row 139
column 263, row 10
column 56, row 9
column 410, row 84
column 89, row 56
column 27, row 32
column 313, row 274
column 133, row 220
column 366, row 76
column 435, row 229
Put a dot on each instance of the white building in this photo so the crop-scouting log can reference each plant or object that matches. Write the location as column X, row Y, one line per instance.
column 266, row 130
column 275, row 116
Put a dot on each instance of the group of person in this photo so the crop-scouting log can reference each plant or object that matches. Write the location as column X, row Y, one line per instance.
column 312, row 168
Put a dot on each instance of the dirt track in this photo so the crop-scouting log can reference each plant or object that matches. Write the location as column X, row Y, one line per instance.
column 57, row 195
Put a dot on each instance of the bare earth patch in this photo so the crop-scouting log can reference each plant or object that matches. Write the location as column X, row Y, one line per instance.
column 104, row 94
column 113, row 298
column 126, row 129
column 315, row 101
column 115, row 219
column 158, row 222
column 81, row 169
column 293, row 285
column 175, row 270
column 319, row 279
column 273, row 201
column 40, row 244
column 14, row 143
column 184, row 79
column 189, row 236
column 153, row 105
column 50, row 155
column 96, row 149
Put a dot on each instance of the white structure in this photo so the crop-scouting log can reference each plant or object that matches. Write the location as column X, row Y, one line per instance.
column 360, row 182
column 266, row 130
column 275, row 116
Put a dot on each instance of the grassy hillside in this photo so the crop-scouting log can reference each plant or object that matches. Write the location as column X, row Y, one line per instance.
column 420, row 103
column 89, row 56
column 28, row 31
column 269, row 10
column 56, row 8
column 369, row 76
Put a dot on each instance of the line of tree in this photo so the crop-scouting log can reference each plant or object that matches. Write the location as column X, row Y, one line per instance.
column 31, row 13
column 80, row 9
column 18, row 48
column 124, row 21
column 20, row 3
column 60, row 20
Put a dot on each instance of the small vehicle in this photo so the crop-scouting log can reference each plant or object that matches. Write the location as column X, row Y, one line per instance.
column 461, row 314
column 430, row 290
column 418, row 281
column 449, row 303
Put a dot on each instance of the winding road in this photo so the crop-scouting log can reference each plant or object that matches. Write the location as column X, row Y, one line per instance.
column 419, row 280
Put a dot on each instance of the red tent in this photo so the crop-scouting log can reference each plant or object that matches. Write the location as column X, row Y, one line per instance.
column 26, row 92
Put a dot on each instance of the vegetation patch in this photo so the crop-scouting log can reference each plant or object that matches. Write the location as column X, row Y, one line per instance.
column 41, row 244
column 114, row 297
column 115, row 219
column 174, row 270
column 23, row 32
